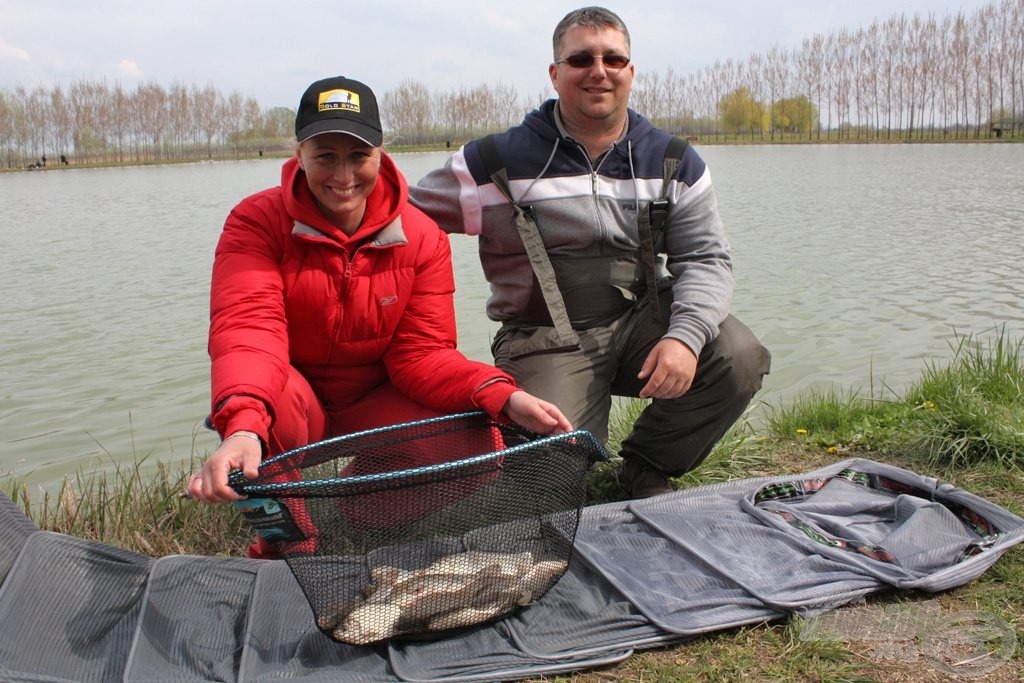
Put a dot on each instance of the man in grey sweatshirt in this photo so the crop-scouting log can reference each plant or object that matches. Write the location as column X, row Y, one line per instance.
column 584, row 211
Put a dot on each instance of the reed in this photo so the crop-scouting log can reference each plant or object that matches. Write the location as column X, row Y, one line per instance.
column 135, row 507
column 962, row 413
column 972, row 410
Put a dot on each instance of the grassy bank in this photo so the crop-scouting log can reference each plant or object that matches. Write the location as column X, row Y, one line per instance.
column 961, row 422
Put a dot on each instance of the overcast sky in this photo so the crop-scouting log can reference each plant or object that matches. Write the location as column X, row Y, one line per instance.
column 271, row 50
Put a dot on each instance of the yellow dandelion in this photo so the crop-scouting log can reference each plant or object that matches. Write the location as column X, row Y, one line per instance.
column 801, row 431
column 833, row 449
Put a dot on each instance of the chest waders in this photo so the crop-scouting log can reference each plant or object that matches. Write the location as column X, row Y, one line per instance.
column 603, row 286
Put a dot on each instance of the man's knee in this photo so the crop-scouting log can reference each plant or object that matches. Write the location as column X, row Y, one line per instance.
column 743, row 359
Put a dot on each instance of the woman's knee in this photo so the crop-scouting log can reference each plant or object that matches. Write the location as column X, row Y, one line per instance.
column 299, row 418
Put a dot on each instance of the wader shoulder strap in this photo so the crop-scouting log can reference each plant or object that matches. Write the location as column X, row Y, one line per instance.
column 526, row 225
column 650, row 225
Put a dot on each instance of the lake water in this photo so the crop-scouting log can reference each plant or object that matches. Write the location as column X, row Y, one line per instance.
column 856, row 266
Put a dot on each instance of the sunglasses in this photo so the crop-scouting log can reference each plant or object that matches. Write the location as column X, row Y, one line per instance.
column 585, row 61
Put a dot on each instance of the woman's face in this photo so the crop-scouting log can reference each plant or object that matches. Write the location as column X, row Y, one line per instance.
column 341, row 171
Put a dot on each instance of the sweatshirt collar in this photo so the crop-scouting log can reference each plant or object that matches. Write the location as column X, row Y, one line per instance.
column 557, row 114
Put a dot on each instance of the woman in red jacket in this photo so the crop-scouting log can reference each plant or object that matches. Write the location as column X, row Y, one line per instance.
column 331, row 304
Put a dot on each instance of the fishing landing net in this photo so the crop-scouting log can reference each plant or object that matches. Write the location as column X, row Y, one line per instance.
column 423, row 527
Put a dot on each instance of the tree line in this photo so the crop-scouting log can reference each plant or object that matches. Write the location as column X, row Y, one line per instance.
column 957, row 76
column 95, row 122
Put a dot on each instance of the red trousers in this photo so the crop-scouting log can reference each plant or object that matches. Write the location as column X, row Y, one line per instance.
column 301, row 419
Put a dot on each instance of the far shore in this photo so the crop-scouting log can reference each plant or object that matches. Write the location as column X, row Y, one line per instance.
column 283, row 152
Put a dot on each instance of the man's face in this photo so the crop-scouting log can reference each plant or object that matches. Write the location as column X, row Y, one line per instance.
column 594, row 93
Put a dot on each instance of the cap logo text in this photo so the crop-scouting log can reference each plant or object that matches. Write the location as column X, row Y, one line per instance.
column 338, row 99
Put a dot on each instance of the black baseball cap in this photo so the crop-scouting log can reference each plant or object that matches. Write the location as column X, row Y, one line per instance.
column 339, row 105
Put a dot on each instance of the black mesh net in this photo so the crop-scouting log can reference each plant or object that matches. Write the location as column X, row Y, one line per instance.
column 423, row 527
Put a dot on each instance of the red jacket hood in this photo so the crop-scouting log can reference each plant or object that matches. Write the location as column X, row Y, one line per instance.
column 383, row 205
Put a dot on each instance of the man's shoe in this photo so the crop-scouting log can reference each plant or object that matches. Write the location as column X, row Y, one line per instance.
column 642, row 480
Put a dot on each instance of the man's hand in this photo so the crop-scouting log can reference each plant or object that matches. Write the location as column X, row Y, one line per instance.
column 536, row 415
column 669, row 370
column 210, row 485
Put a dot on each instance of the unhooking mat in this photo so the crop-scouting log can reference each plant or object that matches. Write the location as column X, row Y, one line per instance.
column 644, row 573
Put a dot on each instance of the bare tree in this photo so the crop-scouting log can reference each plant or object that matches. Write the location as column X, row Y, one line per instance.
column 832, row 64
column 980, row 69
column 150, row 116
column 13, row 124
column 408, row 110
column 234, row 125
column 870, row 74
column 1014, row 12
column 254, row 121
column 59, row 121
column 539, row 98
column 279, row 122
column 753, row 69
column 87, row 101
column 775, row 73
column 810, row 65
column 913, row 58
column 644, row 97
column 674, row 110
column 928, row 49
column 1001, row 62
column 506, row 110
column 207, row 111
column 120, row 120
column 727, row 77
column 960, row 49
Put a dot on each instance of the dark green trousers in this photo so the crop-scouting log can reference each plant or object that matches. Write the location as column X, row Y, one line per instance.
column 673, row 435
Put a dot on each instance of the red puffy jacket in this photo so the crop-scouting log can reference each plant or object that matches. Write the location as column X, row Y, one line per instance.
column 349, row 312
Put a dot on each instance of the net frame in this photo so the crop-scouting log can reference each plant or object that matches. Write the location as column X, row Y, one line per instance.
column 382, row 549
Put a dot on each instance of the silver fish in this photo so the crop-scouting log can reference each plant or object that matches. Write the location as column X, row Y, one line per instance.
column 455, row 591
column 368, row 624
column 384, row 582
column 437, row 594
column 329, row 617
column 466, row 616
column 386, row 574
column 419, row 585
column 473, row 561
column 539, row 579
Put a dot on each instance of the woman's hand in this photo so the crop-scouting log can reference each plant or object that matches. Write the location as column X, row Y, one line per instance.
column 240, row 450
column 535, row 414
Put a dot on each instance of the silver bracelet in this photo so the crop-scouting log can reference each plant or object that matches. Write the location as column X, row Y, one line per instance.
column 248, row 435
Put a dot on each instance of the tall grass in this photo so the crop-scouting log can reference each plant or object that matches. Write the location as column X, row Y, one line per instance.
column 136, row 508
column 972, row 411
column 967, row 412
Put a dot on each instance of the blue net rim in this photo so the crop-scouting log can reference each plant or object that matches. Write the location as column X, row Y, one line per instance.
column 237, row 480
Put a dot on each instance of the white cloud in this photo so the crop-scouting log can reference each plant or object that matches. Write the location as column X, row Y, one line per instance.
column 127, row 68
column 7, row 50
